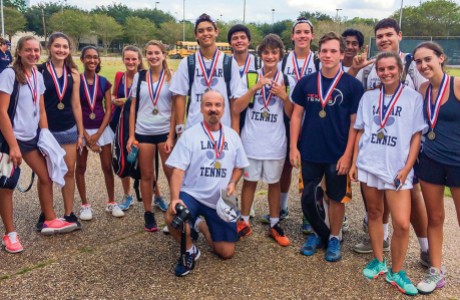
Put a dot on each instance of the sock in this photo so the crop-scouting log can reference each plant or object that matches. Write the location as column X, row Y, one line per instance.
column 385, row 231
column 274, row 221
column 191, row 250
column 284, row 201
column 245, row 218
column 334, row 236
column 423, row 242
column 197, row 223
column 13, row 236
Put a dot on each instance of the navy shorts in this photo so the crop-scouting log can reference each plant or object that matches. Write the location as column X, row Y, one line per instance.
column 152, row 139
column 336, row 185
column 434, row 172
column 28, row 146
column 220, row 230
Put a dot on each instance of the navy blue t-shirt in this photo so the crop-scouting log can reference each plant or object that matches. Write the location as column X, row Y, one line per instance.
column 324, row 140
column 5, row 60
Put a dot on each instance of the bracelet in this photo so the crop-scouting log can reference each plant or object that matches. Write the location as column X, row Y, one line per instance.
column 180, row 128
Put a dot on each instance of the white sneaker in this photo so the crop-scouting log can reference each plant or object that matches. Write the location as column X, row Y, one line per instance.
column 114, row 209
column 86, row 212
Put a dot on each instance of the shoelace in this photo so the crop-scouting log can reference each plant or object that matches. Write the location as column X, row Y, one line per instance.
column 402, row 275
column 312, row 241
column 278, row 230
column 429, row 277
column 334, row 244
column 373, row 264
column 13, row 239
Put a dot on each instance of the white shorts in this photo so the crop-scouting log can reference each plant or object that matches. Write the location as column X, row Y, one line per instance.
column 106, row 137
column 376, row 182
column 269, row 171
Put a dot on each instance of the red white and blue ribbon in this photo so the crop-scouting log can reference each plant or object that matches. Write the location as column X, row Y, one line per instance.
column 91, row 98
column 60, row 90
column 432, row 109
column 266, row 95
column 306, row 62
column 217, row 145
column 386, row 110
column 325, row 98
column 32, row 82
column 155, row 94
column 208, row 74
column 247, row 63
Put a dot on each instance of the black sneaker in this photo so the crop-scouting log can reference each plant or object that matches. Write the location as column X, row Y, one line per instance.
column 41, row 221
column 150, row 223
column 72, row 218
column 184, row 266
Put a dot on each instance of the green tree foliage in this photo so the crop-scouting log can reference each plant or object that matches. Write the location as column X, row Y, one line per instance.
column 315, row 16
column 74, row 23
column 155, row 15
column 118, row 11
column 107, row 29
column 34, row 15
column 170, row 33
column 20, row 5
column 139, row 31
column 14, row 21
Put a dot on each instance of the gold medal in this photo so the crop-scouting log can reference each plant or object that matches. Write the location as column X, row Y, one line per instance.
column 60, row 106
column 322, row 114
column 217, row 165
column 92, row 116
column 431, row 135
column 380, row 135
column 265, row 114
column 155, row 111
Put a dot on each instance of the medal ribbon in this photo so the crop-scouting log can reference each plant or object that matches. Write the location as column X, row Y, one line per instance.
column 219, row 145
column 60, row 90
column 306, row 62
column 433, row 108
column 385, row 111
column 91, row 98
column 246, row 65
column 32, row 82
column 266, row 90
column 208, row 74
column 155, row 94
column 323, row 99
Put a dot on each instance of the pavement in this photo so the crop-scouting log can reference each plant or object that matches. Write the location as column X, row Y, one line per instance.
column 114, row 258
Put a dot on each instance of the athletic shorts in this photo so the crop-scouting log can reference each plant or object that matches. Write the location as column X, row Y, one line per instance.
column 220, row 230
column 106, row 137
column 28, row 146
column 374, row 181
column 336, row 185
column 269, row 171
column 152, row 139
column 434, row 172
column 65, row 137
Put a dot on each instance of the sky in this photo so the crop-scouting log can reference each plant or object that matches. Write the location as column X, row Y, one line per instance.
column 258, row 11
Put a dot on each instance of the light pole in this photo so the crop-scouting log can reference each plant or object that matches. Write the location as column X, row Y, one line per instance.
column 3, row 22
column 337, row 15
column 244, row 12
column 400, row 15
column 183, row 20
column 273, row 16
column 156, row 2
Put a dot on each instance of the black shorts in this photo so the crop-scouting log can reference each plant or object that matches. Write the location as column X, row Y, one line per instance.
column 152, row 139
column 28, row 146
column 434, row 172
column 336, row 185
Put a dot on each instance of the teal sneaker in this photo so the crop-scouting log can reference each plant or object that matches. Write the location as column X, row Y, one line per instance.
column 375, row 268
column 312, row 243
column 160, row 203
column 126, row 202
column 333, row 252
column 401, row 281
column 306, row 227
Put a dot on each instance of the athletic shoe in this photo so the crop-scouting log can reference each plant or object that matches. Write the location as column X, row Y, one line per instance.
column 184, row 266
column 150, row 222
column 86, row 212
column 41, row 220
column 345, row 224
column 425, row 259
column 434, row 279
column 12, row 244
column 306, row 227
column 375, row 268
column 243, row 229
column 160, row 203
column 58, row 226
column 252, row 213
column 284, row 214
column 311, row 244
column 366, row 247
column 365, row 226
column 401, row 281
column 333, row 252
column 72, row 218
column 165, row 230
column 277, row 233
column 112, row 207
column 126, row 202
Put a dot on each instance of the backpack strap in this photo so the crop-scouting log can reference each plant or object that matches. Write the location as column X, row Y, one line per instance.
column 284, row 63
column 191, row 64
column 257, row 62
column 228, row 73
column 12, row 106
column 408, row 59
column 316, row 61
column 142, row 74
column 117, row 83
column 286, row 84
column 251, row 78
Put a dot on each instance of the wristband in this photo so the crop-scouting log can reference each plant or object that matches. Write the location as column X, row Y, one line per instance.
column 180, row 128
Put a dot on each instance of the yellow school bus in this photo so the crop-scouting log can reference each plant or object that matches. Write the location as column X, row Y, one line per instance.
column 184, row 49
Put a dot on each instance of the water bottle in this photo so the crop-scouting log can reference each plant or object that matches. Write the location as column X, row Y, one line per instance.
column 134, row 150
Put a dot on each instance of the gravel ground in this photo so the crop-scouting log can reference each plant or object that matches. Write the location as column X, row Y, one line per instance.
column 115, row 259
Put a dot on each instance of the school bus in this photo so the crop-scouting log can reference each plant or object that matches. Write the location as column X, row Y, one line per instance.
column 184, row 49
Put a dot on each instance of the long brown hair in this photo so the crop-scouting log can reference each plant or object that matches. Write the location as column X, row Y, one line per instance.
column 68, row 61
column 17, row 64
column 163, row 50
column 132, row 48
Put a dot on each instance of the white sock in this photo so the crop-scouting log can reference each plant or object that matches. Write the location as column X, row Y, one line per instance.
column 245, row 218
column 191, row 250
column 385, row 231
column 197, row 223
column 284, row 201
column 423, row 242
column 335, row 236
column 273, row 221
column 13, row 236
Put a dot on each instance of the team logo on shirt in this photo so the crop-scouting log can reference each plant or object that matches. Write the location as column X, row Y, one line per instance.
column 335, row 98
column 387, row 140
column 213, row 168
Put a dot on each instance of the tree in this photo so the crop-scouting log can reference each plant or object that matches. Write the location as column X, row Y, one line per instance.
column 73, row 23
column 20, row 5
column 139, row 31
column 155, row 15
column 170, row 33
column 14, row 21
column 34, row 15
column 119, row 12
column 107, row 29
column 315, row 16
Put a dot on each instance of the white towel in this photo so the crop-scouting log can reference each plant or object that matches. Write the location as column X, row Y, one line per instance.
column 54, row 156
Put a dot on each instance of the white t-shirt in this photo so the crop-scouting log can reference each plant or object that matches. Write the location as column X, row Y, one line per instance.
column 147, row 123
column 180, row 86
column 289, row 69
column 265, row 138
column 27, row 116
column 385, row 158
column 195, row 155
column 413, row 79
column 252, row 65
